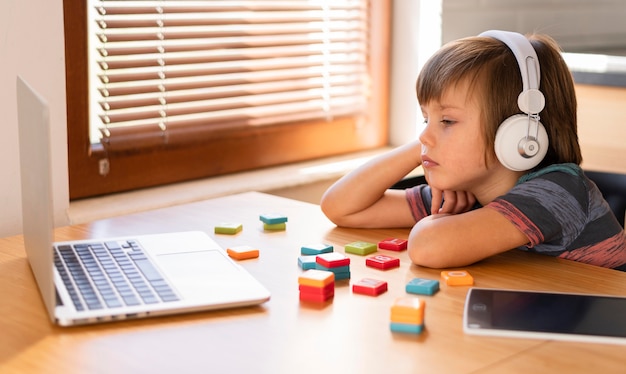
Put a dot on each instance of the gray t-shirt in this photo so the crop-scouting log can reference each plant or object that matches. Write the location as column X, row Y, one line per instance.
column 560, row 210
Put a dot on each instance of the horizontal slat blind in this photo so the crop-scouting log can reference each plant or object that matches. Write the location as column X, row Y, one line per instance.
column 173, row 71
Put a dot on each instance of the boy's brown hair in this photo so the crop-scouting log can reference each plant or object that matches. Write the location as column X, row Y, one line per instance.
column 495, row 79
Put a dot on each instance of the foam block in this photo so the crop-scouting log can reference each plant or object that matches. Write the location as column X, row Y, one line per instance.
column 361, row 248
column 307, row 262
column 313, row 297
column 273, row 218
column 341, row 272
column 242, row 252
column 275, row 226
column 457, row 278
column 327, row 289
column 369, row 286
column 316, row 249
column 333, row 260
column 382, row 262
column 228, row 228
column 408, row 310
column 422, row 286
column 407, row 328
column 316, row 278
column 393, row 244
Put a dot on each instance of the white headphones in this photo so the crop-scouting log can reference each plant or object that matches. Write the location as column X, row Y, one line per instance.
column 521, row 140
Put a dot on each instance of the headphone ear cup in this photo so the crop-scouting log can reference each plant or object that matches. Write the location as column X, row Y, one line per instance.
column 512, row 147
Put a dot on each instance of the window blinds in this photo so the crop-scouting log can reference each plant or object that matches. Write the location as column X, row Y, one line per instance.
column 172, row 72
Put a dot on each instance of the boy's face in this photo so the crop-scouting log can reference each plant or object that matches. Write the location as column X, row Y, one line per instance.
column 453, row 149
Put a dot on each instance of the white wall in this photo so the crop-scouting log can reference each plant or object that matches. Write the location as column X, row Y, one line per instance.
column 416, row 35
column 31, row 45
column 578, row 25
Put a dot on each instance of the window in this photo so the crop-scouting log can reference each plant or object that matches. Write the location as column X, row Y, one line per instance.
column 161, row 91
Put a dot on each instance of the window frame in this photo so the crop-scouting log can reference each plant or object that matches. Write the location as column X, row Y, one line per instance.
column 93, row 172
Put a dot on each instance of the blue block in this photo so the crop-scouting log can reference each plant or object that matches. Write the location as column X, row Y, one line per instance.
column 336, row 270
column 341, row 272
column 273, row 218
column 316, row 249
column 422, row 286
column 306, row 262
column 406, row 328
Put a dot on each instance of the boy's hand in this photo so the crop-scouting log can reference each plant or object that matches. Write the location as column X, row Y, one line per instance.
column 454, row 202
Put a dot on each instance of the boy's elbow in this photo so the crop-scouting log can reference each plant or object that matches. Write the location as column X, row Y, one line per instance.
column 328, row 208
column 424, row 256
column 337, row 217
column 424, row 249
column 330, row 215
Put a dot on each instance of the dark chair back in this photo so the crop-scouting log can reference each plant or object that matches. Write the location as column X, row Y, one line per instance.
column 613, row 188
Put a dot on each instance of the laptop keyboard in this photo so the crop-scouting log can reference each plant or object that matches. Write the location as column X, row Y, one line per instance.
column 110, row 275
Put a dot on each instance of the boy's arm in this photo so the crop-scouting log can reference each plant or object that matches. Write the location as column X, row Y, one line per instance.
column 444, row 240
column 362, row 198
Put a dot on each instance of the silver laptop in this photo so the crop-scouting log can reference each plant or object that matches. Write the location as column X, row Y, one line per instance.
column 91, row 281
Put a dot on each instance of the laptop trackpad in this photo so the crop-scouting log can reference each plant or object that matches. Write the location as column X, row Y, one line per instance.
column 200, row 272
column 200, row 264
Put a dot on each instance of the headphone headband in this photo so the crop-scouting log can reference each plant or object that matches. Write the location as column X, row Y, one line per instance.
column 531, row 100
column 521, row 140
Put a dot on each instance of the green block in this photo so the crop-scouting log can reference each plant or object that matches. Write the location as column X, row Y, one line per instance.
column 274, row 226
column 228, row 228
column 361, row 248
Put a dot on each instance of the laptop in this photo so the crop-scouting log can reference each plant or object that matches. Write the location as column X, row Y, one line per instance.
column 109, row 279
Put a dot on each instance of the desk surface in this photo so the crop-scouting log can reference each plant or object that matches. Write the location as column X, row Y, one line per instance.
column 348, row 335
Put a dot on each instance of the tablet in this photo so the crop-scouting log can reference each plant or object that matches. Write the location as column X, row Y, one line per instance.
column 545, row 315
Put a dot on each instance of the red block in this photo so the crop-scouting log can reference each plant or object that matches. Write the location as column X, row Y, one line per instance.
column 369, row 286
column 329, row 288
column 332, row 260
column 315, row 297
column 382, row 262
column 393, row 244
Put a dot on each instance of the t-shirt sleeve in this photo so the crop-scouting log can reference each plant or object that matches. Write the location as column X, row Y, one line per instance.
column 550, row 208
column 419, row 199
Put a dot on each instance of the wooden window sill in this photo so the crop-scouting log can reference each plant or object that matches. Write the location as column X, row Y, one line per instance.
column 265, row 180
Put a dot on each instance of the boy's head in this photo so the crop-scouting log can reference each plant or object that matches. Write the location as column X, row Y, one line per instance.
column 495, row 83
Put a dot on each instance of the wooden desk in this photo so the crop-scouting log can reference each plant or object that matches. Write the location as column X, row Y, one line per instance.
column 348, row 335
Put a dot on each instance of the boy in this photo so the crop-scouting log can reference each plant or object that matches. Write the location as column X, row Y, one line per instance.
column 489, row 189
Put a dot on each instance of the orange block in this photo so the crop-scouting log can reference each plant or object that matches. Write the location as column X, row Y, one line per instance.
column 457, row 278
column 316, row 278
column 408, row 310
column 417, row 319
column 242, row 252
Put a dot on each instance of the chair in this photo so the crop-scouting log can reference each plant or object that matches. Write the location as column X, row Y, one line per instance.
column 611, row 185
column 613, row 188
column 409, row 182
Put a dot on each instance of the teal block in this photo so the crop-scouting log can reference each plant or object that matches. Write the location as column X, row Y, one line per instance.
column 307, row 262
column 273, row 218
column 316, row 249
column 336, row 270
column 406, row 328
column 422, row 286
